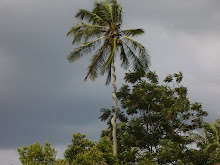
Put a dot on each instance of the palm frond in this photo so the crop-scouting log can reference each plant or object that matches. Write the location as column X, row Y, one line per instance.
column 96, row 69
column 132, row 32
column 89, row 26
column 107, row 70
column 217, row 124
column 90, row 17
column 212, row 131
column 104, row 11
column 119, row 14
column 78, row 37
column 86, row 34
column 93, row 31
column 116, row 12
column 83, row 50
column 109, row 76
column 200, row 140
column 74, row 29
column 96, row 62
column 111, row 57
column 85, row 31
column 137, row 63
column 135, row 45
column 125, row 62
column 106, row 67
column 141, row 51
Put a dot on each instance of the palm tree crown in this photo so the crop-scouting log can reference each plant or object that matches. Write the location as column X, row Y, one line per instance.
column 101, row 33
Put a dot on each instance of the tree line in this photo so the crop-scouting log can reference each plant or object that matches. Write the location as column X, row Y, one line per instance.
column 157, row 125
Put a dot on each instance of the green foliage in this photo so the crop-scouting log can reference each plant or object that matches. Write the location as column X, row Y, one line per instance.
column 104, row 145
column 214, row 156
column 60, row 162
column 80, row 144
column 159, row 118
column 85, row 152
column 209, row 143
column 197, row 157
column 147, row 158
column 100, row 31
column 155, row 128
column 36, row 154
column 92, row 156
column 169, row 152
column 169, row 78
column 133, row 77
column 209, row 138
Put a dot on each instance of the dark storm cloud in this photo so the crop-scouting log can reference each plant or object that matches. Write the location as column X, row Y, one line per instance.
column 43, row 97
column 190, row 16
column 41, row 93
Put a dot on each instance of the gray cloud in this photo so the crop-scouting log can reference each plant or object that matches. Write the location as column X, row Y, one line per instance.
column 43, row 97
column 190, row 16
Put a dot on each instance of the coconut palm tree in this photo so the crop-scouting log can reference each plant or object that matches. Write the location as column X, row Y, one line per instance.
column 211, row 136
column 100, row 33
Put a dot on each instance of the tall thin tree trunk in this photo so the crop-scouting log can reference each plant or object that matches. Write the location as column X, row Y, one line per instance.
column 113, row 121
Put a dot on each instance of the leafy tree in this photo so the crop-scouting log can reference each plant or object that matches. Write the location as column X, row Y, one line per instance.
column 104, row 145
column 101, row 154
column 158, row 117
column 80, row 144
column 100, row 31
column 36, row 154
column 85, row 152
column 90, row 157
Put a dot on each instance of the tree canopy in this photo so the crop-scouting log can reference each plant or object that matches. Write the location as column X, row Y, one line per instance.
column 99, row 31
column 158, row 119
column 157, row 125
column 36, row 154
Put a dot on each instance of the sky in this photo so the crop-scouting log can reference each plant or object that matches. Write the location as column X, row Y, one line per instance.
column 44, row 98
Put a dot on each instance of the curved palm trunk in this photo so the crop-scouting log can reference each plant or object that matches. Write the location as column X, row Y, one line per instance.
column 113, row 121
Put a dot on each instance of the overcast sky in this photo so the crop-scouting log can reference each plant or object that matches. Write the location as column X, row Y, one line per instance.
column 43, row 97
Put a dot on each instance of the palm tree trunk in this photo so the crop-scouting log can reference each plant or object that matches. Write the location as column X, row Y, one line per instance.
column 113, row 121
column 165, row 161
